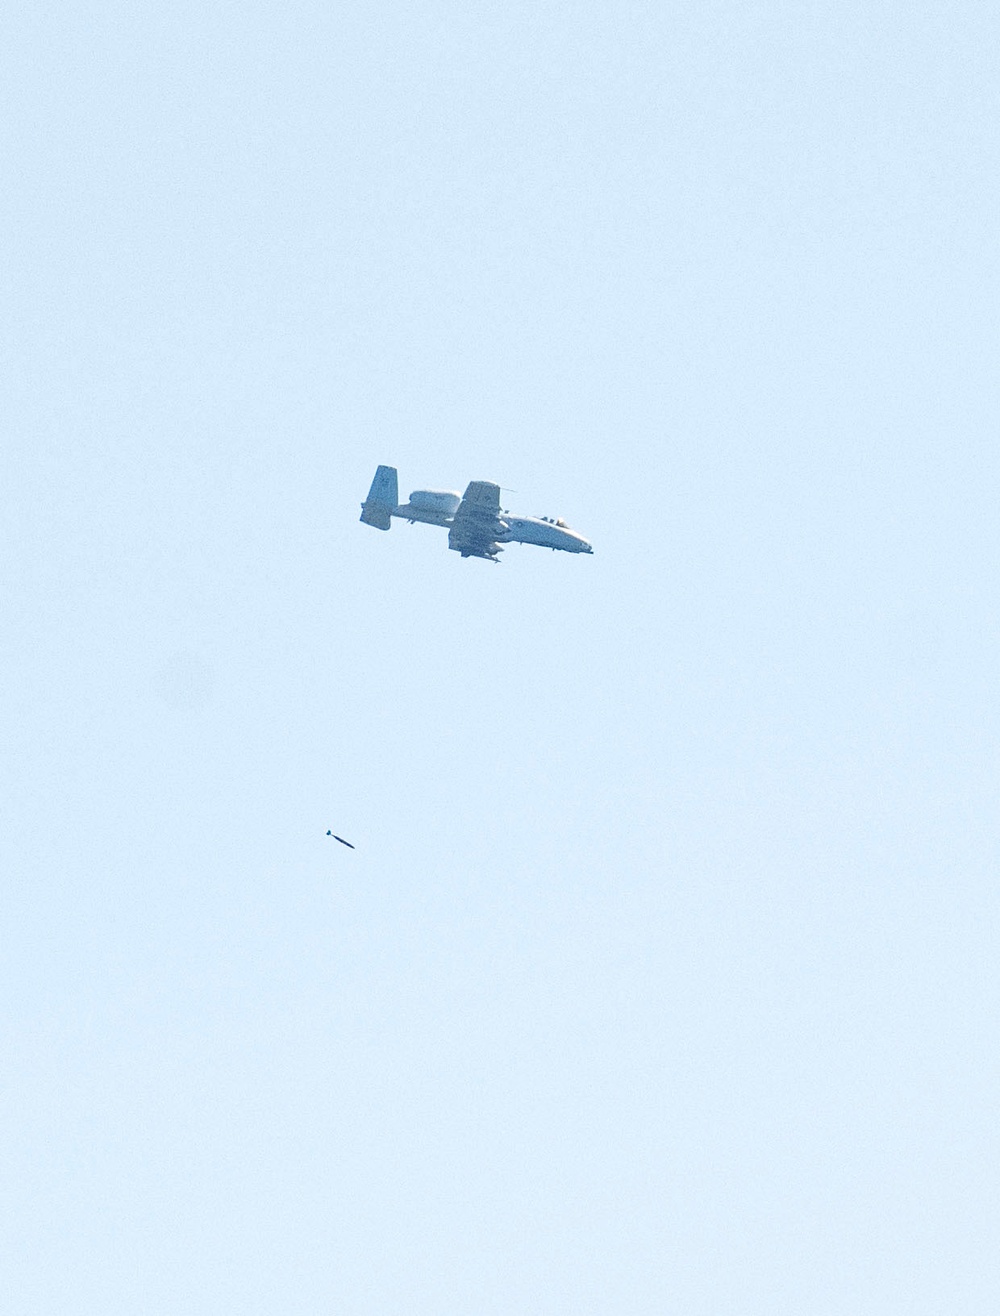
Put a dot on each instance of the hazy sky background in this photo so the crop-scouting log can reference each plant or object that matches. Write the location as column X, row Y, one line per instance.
column 665, row 975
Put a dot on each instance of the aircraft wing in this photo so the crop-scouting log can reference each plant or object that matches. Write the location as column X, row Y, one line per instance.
column 477, row 521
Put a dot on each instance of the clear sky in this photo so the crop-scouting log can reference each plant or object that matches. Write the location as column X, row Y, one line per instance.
column 665, row 975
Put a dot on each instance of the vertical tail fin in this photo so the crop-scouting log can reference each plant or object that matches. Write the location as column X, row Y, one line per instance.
column 382, row 500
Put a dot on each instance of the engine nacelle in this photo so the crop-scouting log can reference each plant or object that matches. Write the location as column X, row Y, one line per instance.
column 442, row 501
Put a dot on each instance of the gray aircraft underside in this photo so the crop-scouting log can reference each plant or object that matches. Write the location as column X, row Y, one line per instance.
column 477, row 527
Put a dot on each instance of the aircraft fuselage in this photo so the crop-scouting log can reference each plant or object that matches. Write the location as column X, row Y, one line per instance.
column 547, row 534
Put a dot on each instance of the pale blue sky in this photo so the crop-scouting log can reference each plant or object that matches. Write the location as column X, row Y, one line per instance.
column 664, row 977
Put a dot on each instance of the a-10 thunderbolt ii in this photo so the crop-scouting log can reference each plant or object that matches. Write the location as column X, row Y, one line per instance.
column 476, row 525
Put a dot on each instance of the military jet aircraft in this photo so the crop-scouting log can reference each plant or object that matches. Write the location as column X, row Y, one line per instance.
column 476, row 525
